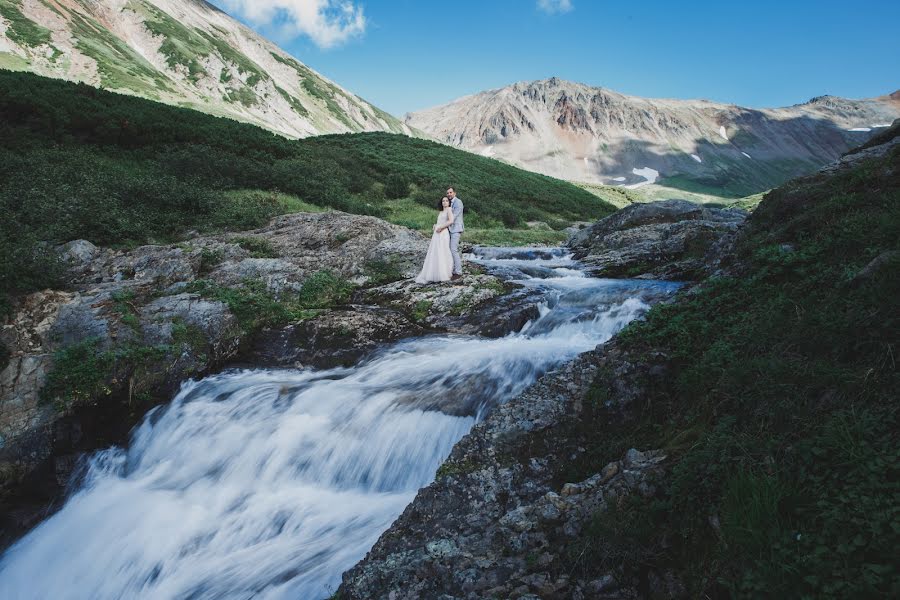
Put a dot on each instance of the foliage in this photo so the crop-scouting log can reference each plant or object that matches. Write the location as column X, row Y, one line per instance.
column 257, row 247
column 20, row 29
column 381, row 271
column 78, row 162
column 780, row 412
column 209, row 259
column 255, row 306
column 84, row 372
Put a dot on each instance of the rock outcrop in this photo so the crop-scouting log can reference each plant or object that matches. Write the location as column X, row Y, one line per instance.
column 671, row 239
column 503, row 519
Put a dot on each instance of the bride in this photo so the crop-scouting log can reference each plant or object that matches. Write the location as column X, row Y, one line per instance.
column 439, row 262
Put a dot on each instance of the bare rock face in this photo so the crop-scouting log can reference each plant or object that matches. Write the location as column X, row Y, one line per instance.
column 671, row 239
column 582, row 133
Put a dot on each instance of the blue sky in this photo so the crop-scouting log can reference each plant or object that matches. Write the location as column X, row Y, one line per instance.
column 404, row 55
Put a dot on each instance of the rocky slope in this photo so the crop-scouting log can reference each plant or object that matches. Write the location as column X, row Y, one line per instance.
column 764, row 387
column 186, row 53
column 82, row 364
column 589, row 134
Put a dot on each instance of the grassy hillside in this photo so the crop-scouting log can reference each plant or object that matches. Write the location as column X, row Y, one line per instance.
column 77, row 162
column 779, row 407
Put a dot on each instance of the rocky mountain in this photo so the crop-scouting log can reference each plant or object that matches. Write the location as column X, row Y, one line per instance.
column 589, row 134
column 182, row 52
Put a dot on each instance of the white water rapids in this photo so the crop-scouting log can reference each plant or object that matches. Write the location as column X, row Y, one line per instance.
column 271, row 483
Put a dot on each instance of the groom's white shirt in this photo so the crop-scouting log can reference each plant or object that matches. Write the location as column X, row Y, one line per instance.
column 457, row 208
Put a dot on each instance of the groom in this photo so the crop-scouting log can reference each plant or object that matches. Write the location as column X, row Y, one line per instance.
column 456, row 229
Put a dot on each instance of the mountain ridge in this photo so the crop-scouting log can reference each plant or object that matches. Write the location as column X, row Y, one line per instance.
column 189, row 54
column 594, row 134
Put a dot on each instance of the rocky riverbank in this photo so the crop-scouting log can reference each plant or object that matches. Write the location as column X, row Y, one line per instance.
column 541, row 500
column 84, row 363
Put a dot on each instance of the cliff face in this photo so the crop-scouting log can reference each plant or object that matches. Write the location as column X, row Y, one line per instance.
column 581, row 133
column 182, row 53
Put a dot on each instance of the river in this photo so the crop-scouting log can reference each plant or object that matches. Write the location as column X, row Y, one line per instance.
column 270, row 483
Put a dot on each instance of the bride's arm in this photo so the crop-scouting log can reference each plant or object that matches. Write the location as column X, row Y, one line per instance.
column 449, row 218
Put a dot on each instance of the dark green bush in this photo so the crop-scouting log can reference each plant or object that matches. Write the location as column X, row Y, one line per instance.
column 780, row 409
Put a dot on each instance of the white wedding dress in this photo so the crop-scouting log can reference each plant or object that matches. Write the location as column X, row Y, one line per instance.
column 438, row 262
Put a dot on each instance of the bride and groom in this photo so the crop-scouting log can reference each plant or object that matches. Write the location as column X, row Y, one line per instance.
column 443, row 262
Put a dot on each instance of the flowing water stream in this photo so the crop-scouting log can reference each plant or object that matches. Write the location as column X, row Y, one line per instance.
column 270, row 483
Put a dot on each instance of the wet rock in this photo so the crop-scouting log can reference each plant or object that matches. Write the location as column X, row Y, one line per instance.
column 339, row 337
column 670, row 239
column 496, row 498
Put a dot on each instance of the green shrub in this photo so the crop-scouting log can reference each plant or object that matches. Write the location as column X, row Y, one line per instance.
column 382, row 271
column 257, row 247
column 84, row 372
column 396, row 186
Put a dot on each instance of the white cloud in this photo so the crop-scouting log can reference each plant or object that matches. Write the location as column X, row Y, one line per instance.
column 555, row 6
column 326, row 22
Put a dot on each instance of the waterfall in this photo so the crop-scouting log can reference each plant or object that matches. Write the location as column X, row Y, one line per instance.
column 271, row 483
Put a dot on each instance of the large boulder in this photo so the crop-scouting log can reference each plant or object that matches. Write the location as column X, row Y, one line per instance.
column 671, row 239
column 477, row 304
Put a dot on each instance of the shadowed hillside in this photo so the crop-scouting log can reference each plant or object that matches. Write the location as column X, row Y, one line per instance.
column 83, row 163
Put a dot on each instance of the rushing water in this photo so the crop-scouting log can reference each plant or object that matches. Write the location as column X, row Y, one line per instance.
column 271, row 483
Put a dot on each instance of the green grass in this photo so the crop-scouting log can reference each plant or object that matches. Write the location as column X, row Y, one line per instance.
column 84, row 372
column 779, row 409
column 20, row 29
column 294, row 102
column 255, row 306
column 78, row 162
column 180, row 46
column 257, row 247
column 120, row 67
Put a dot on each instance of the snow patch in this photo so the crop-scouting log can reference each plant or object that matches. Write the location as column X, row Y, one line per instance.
column 647, row 173
column 860, row 129
column 697, row 158
column 618, row 179
column 723, row 133
column 879, row 125
column 489, row 151
column 747, row 155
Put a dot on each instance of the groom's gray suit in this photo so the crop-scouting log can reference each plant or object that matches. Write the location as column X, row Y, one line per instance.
column 455, row 229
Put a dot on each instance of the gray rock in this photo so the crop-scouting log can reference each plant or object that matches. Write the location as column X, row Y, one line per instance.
column 339, row 337
column 670, row 239
column 501, row 511
column 78, row 252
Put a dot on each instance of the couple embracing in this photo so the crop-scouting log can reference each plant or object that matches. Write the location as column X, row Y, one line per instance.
column 443, row 262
